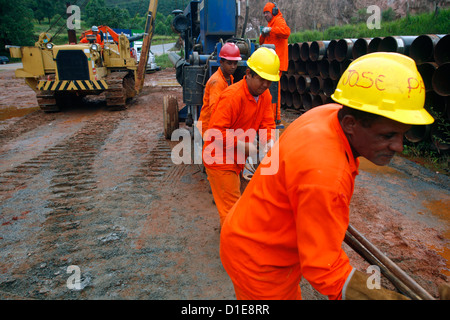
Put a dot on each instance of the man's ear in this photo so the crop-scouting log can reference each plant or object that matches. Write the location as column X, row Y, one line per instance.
column 348, row 123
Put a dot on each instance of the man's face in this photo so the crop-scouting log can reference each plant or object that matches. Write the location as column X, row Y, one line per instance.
column 379, row 142
column 256, row 84
column 228, row 67
column 268, row 15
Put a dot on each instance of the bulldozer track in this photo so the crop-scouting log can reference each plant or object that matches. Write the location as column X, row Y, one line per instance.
column 120, row 88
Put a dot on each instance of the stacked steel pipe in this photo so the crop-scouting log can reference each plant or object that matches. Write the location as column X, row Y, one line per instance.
column 315, row 68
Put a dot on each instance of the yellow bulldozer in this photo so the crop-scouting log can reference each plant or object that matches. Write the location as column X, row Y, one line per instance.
column 67, row 73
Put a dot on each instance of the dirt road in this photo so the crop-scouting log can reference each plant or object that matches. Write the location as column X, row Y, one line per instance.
column 95, row 192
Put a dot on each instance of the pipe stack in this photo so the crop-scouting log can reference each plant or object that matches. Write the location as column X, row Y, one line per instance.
column 315, row 68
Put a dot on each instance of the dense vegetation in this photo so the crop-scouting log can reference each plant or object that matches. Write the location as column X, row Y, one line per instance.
column 24, row 20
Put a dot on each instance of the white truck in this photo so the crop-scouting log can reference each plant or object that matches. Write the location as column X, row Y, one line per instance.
column 151, row 64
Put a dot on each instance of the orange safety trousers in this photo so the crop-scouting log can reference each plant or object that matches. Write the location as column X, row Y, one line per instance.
column 226, row 190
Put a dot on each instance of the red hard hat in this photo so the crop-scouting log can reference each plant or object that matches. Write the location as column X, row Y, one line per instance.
column 230, row 51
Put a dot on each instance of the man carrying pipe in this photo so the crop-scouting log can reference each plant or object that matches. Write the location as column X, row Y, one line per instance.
column 277, row 33
column 292, row 224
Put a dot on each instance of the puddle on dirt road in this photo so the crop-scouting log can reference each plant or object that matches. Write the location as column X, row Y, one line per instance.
column 12, row 112
column 435, row 204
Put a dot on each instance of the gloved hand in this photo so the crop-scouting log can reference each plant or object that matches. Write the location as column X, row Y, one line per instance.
column 268, row 146
column 444, row 292
column 266, row 30
column 357, row 290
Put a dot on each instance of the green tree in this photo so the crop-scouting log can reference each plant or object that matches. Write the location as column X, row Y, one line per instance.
column 388, row 15
column 16, row 27
column 97, row 13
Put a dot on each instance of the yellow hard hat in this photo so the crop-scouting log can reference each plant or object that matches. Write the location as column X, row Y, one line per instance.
column 387, row 84
column 265, row 63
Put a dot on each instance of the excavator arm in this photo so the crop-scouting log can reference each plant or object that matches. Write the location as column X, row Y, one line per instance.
column 105, row 30
column 149, row 29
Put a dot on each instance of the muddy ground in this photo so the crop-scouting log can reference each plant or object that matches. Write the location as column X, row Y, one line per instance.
column 97, row 191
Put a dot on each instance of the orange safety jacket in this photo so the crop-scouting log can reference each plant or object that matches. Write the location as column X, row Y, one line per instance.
column 292, row 224
column 279, row 37
column 99, row 40
column 214, row 87
column 237, row 116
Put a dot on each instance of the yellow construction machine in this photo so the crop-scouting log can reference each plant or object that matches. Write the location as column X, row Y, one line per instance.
column 66, row 73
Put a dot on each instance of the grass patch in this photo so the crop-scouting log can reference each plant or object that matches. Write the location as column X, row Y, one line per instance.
column 427, row 157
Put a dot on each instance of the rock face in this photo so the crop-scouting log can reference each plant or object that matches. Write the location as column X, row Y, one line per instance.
column 321, row 14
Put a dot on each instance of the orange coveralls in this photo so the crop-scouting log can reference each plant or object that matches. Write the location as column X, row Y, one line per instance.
column 214, row 87
column 99, row 40
column 291, row 224
column 279, row 37
column 236, row 109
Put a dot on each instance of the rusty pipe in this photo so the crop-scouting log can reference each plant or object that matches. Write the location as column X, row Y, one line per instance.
column 422, row 48
column 300, row 67
column 418, row 133
column 329, row 85
column 426, row 70
column 344, row 49
column 304, row 51
column 307, row 101
column 296, row 51
column 288, row 98
column 284, row 82
column 317, row 100
column 291, row 66
column 312, row 68
column 316, row 85
column 296, row 100
column 335, row 70
column 399, row 273
column 360, row 47
column 374, row 44
column 303, row 84
column 290, row 45
column 400, row 44
column 318, row 50
column 324, row 66
column 292, row 82
column 330, row 50
column 440, row 79
column 442, row 50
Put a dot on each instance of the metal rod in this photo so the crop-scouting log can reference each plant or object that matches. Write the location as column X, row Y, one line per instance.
column 363, row 252
column 399, row 273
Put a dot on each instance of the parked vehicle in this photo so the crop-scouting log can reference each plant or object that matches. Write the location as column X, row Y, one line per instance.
column 4, row 60
column 151, row 63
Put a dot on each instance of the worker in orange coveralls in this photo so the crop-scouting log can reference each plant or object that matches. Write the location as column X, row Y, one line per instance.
column 229, row 56
column 244, row 107
column 277, row 33
column 94, row 30
column 291, row 223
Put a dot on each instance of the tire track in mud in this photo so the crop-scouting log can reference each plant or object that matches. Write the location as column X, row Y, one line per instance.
column 67, row 167
column 25, row 124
